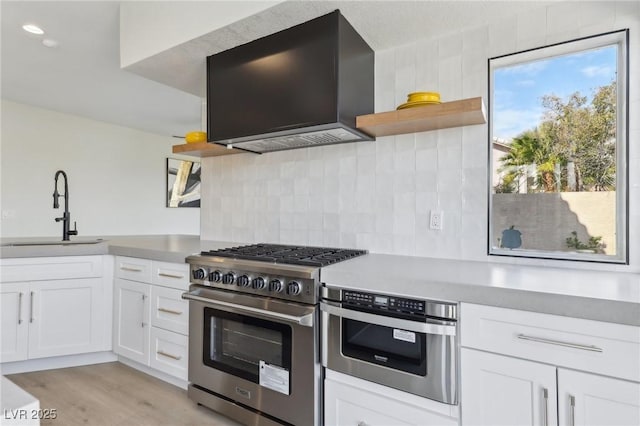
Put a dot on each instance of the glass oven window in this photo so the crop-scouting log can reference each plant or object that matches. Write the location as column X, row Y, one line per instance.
column 391, row 347
column 236, row 343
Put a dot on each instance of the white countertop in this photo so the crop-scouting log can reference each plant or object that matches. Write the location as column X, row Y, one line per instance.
column 166, row 248
column 18, row 406
column 598, row 295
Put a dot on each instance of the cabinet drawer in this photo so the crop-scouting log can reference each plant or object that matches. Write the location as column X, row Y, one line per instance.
column 169, row 352
column 174, row 275
column 50, row 268
column 131, row 268
column 600, row 347
column 168, row 310
column 352, row 401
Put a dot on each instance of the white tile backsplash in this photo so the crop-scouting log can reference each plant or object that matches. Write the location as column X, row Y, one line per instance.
column 378, row 195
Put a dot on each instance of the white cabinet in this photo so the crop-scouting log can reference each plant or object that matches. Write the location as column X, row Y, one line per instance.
column 352, row 401
column 544, row 353
column 169, row 352
column 15, row 325
column 168, row 310
column 53, row 307
column 131, row 331
column 499, row 390
column 150, row 316
column 65, row 317
column 587, row 399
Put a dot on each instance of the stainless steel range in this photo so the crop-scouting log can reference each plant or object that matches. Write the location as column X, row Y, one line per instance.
column 254, row 332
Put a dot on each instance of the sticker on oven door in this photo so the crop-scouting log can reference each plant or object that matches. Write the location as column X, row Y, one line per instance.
column 404, row 335
column 274, row 377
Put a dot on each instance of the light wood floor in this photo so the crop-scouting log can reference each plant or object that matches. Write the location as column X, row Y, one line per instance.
column 113, row 394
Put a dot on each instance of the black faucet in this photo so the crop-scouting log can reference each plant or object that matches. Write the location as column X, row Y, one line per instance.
column 66, row 216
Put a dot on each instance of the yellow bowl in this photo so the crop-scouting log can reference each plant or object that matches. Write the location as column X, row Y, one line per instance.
column 424, row 97
column 195, row 137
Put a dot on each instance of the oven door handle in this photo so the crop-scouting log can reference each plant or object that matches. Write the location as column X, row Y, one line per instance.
column 304, row 320
column 431, row 327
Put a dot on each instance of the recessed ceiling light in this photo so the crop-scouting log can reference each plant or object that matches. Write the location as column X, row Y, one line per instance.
column 50, row 42
column 33, row 29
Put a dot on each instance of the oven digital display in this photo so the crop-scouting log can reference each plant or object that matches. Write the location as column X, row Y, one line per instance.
column 381, row 301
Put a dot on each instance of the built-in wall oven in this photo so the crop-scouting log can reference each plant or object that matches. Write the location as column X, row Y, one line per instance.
column 254, row 332
column 407, row 344
column 242, row 360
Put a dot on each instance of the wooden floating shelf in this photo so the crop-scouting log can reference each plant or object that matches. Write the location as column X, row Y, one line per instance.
column 464, row 112
column 204, row 149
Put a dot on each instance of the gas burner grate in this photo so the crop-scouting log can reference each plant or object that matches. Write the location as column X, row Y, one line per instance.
column 287, row 254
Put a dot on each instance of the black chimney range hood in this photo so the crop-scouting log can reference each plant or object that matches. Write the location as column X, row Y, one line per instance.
column 300, row 87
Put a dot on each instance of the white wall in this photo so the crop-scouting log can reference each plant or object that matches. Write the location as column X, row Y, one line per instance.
column 116, row 176
column 378, row 195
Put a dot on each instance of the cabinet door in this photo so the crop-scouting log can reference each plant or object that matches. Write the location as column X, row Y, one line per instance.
column 15, row 321
column 499, row 390
column 588, row 400
column 66, row 317
column 131, row 304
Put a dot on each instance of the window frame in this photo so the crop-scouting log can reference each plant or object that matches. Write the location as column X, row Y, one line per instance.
column 621, row 38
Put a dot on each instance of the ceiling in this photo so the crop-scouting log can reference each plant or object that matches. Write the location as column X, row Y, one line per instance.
column 82, row 75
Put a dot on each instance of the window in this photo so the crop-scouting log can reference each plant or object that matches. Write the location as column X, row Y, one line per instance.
column 558, row 132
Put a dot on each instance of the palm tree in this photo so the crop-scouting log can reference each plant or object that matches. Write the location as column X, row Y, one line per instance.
column 528, row 149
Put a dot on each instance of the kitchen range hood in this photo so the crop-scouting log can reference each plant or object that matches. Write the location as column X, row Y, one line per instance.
column 300, row 87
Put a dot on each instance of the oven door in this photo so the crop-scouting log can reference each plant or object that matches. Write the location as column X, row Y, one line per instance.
column 256, row 352
column 418, row 357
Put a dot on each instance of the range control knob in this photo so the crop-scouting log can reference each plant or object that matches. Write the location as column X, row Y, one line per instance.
column 228, row 278
column 199, row 274
column 243, row 281
column 275, row 286
column 258, row 283
column 215, row 276
column 293, row 288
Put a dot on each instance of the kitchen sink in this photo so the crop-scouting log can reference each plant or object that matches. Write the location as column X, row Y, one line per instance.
column 50, row 243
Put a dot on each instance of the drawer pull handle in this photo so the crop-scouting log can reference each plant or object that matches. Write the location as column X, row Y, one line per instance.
column 168, row 275
column 131, row 269
column 176, row 357
column 170, row 311
column 560, row 343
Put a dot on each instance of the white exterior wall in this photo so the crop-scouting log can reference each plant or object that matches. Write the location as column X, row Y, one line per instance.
column 377, row 196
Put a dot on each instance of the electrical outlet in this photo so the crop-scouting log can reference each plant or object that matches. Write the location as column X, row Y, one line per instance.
column 435, row 220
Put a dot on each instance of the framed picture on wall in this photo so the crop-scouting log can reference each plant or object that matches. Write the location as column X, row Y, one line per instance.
column 183, row 183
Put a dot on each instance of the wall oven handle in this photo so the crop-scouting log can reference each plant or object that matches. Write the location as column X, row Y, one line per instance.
column 435, row 327
column 305, row 320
